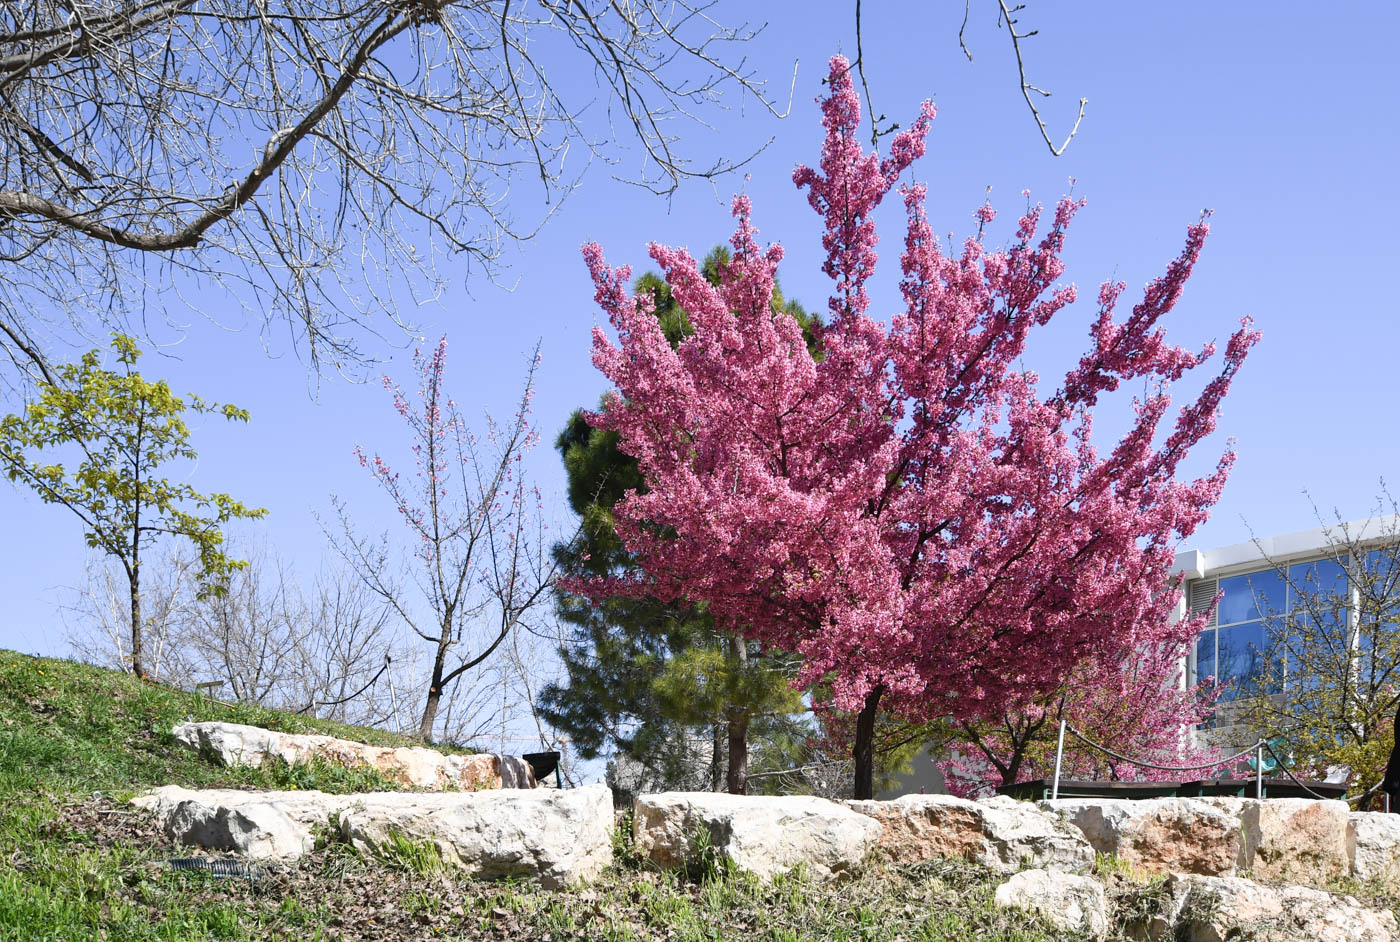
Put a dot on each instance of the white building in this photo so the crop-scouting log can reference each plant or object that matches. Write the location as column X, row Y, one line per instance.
column 1261, row 581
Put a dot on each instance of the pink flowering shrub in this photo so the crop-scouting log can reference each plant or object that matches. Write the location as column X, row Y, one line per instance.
column 1134, row 705
column 927, row 524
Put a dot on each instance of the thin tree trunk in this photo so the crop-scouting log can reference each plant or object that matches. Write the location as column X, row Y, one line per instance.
column 138, row 666
column 133, row 571
column 737, row 726
column 716, row 757
column 430, row 707
column 865, row 746
column 133, row 578
column 737, row 782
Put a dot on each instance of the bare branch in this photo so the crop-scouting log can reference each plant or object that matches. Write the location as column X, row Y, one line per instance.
column 1027, row 87
column 1004, row 16
column 307, row 156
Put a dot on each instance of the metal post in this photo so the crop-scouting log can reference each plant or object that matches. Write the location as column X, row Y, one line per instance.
column 1059, row 754
column 1259, row 770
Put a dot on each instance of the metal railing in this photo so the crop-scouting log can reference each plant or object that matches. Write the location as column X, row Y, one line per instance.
column 1259, row 747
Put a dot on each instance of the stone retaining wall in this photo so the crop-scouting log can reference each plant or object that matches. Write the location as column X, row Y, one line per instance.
column 1234, row 867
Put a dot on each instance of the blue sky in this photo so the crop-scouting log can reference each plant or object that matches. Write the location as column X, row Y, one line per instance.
column 1279, row 118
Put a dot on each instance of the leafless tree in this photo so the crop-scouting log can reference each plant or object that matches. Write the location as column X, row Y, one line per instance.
column 327, row 649
column 479, row 566
column 345, row 669
column 311, row 152
column 247, row 636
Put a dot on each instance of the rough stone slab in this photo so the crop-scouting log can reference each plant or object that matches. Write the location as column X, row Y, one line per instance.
column 1298, row 840
column 557, row 836
column 1067, row 901
column 1000, row 833
column 1158, row 835
column 258, row 830
column 235, row 745
column 764, row 835
column 1217, row 909
column 307, row 808
column 1373, row 846
column 257, row 825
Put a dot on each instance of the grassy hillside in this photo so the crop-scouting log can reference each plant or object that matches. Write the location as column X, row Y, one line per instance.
column 69, row 728
column 76, row 862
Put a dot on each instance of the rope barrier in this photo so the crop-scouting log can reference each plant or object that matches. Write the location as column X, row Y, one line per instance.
column 1162, row 768
column 1258, row 747
column 1366, row 794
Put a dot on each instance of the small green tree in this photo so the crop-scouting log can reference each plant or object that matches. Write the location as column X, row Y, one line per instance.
column 1329, row 687
column 121, row 428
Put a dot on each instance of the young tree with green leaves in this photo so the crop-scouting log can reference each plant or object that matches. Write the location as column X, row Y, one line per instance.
column 1330, row 686
column 121, row 428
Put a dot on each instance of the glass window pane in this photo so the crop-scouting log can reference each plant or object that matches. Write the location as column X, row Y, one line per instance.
column 1241, row 658
column 1317, row 584
column 1251, row 596
column 1205, row 655
column 1380, row 586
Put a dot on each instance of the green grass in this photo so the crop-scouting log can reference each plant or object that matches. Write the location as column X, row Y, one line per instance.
column 73, row 728
column 77, row 863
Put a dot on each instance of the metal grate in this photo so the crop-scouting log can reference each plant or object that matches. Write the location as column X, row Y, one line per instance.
column 217, row 866
column 1201, row 595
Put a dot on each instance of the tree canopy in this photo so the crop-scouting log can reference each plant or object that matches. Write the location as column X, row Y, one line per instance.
column 308, row 155
column 909, row 514
column 122, row 429
column 655, row 680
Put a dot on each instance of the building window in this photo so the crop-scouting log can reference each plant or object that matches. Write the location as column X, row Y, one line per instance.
column 1252, row 606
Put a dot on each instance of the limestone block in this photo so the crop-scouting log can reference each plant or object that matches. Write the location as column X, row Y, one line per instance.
column 556, row 836
column 1000, row 833
column 1158, row 835
column 1217, row 909
column 1373, row 846
column 764, row 835
column 237, row 745
column 256, row 830
column 1298, row 840
column 559, row 837
column 1068, row 901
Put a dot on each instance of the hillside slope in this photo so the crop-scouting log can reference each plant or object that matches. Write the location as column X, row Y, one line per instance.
column 77, row 863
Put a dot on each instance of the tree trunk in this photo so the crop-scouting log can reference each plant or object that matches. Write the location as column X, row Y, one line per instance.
column 737, row 726
column 865, row 746
column 737, row 782
column 430, row 707
column 716, row 757
column 138, row 665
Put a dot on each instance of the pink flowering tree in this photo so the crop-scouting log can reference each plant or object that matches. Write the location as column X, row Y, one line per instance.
column 934, row 532
column 1136, row 705
column 479, row 562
